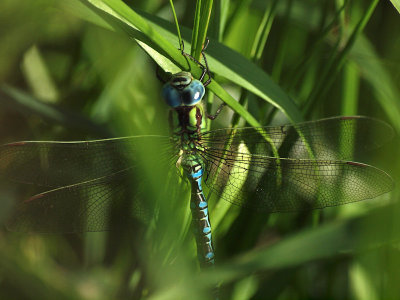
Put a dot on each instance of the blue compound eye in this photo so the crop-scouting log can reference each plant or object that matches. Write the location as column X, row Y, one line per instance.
column 171, row 95
column 193, row 93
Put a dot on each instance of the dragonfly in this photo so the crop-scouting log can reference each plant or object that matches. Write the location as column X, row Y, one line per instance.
column 287, row 168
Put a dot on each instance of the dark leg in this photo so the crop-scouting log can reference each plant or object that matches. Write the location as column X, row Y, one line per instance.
column 205, row 68
column 213, row 117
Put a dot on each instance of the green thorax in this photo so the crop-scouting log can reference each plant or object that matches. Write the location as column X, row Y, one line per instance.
column 188, row 124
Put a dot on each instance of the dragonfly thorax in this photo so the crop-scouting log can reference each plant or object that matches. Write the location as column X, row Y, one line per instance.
column 188, row 121
column 187, row 124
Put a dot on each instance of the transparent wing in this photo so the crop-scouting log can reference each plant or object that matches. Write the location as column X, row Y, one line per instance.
column 285, row 185
column 93, row 184
column 94, row 205
column 309, row 171
column 338, row 138
column 56, row 164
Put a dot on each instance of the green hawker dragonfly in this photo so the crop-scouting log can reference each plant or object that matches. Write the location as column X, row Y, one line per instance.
column 271, row 169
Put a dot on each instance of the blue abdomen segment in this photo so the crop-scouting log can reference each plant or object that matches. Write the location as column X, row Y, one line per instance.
column 200, row 219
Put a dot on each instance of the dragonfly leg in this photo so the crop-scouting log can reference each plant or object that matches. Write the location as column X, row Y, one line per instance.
column 214, row 116
column 205, row 68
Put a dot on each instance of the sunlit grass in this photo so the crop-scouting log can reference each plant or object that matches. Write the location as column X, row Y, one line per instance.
column 85, row 60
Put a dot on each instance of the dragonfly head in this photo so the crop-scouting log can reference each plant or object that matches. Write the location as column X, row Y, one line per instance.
column 183, row 90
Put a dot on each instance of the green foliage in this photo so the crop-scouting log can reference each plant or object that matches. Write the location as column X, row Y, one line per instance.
column 85, row 69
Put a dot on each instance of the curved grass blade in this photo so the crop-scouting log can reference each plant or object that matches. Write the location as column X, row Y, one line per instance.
column 177, row 24
column 350, row 236
column 372, row 69
column 25, row 103
column 158, row 34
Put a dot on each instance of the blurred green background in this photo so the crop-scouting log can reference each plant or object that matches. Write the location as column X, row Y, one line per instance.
column 67, row 74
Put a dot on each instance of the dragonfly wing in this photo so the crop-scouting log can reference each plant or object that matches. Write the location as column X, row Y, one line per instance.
column 284, row 185
column 338, row 138
column 56, row 164
column 88, row 206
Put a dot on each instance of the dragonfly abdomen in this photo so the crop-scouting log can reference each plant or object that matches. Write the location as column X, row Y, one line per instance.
column 200, row 219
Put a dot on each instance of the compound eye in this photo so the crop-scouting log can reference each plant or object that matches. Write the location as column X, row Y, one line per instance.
column 171, row 96
column 193, row 93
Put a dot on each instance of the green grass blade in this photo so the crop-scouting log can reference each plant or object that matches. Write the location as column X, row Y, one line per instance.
column 202, row 19
column 223, row 11
column 158, row 34
column 196, row 28
column 338, row 61
column 396, row 4
column 263, row 31
column 351, row 85
column 346, row 236
column 385, row 89
column 177, row 24
column 25, row 103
